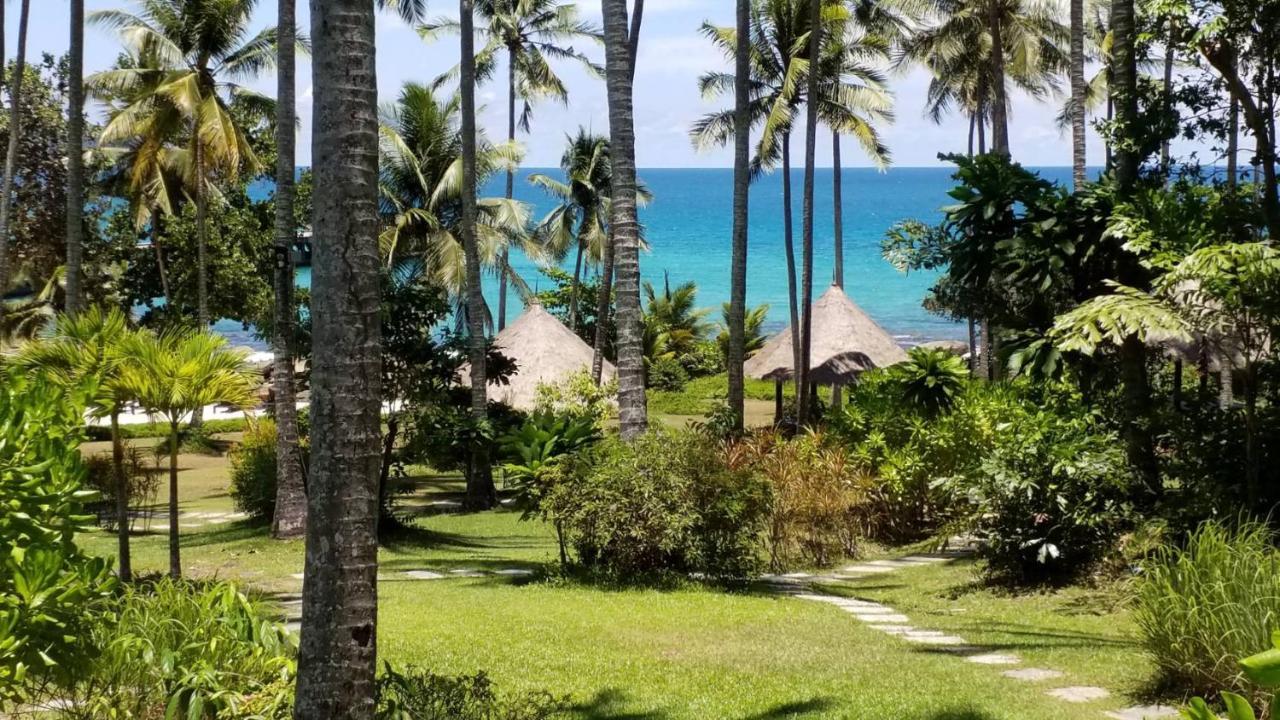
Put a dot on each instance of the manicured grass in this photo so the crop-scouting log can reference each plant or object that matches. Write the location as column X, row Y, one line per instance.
column 687, row 653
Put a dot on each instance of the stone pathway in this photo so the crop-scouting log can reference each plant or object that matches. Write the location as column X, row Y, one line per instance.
column 888, row 620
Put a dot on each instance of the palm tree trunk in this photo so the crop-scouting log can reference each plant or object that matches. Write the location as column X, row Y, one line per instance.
column 982, row 133
column 973, row 348
column 741, row 200
column 202, row 227
column 481, row 493
column 837, row 200
column 1168, row 91
column 290, row 517
column 511, row 187
column 602, row 309
column 1139, row 436
column 789, row 247
column 973, row 121
column 1252, row 453
column 15, row 133
column 575, row 289
column 1233, row 142
column 175, row 552
column 988, row 352
column 75, row 159
column 337, row 656
column 1078, row 139
column 620, row 51
column 124, row 567
column 806, row 231
column 999, row 103
column 160, row 263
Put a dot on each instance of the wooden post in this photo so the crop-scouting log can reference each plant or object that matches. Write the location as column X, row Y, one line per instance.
column 836, row 396
column 777, row 401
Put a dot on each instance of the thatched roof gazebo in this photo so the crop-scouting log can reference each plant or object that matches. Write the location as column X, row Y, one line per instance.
column 544, row 351
column 846, row 343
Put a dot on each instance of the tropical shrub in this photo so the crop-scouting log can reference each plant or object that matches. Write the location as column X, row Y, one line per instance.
column 1263, row 670
column 1207, row 605
column 820, row 497
column 414, row 694
column 931, row 379
column 578, row 396
column 1051, row 497
column 667, row 374
column 142, row 483
column 253, row 472
column 663, row 502
column 179, row 649
column 49, row 590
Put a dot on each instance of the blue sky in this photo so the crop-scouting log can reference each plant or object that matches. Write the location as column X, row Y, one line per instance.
column 672, row 55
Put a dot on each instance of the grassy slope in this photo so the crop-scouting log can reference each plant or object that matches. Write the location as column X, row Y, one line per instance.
column 690, row 653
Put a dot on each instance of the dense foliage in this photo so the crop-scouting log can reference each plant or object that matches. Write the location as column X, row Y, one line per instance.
column 665, row 502
column 49, row 590
column 253, row 472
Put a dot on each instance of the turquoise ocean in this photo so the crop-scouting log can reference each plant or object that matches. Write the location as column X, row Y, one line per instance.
column 689, row 225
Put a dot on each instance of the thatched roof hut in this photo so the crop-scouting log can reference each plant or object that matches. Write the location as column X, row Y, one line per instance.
column 846, row 343
column 544, row 351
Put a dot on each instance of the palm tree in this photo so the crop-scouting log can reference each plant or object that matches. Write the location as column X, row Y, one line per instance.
column 15, row 133
column 187, row 57
column 532, row 33
column 957, row 48
column 672, row 319
column 173, row 375
column 75, row 158
column 337, row 654
column 411, row 12
column 421, row 188
column 92, row 344
column 814, row 78
column 851, row 101
column 580, row 223
column 621, row 42
column 735, row 312
column 481, row 493
column 1078, row 89
column 290, row 518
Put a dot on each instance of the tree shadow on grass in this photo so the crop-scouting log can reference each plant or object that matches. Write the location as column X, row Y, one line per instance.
column 611, row 704
column 960, row 713
column 796, row 708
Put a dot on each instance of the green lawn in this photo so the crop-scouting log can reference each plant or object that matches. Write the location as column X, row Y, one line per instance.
column 689, row 653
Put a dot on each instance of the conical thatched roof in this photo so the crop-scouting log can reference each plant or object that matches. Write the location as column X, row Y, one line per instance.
column 544, row 351
column 846, row 343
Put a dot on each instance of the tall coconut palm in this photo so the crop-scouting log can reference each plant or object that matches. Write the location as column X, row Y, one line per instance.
column 481, row 493
column 337, row 654
column 580, row 222
column 421, row 188
column 15, row 134
column 621, row 42
column 814, row 78
column 852, row 101
column 736, row 310
column 290, row 518
column 188, row 60
column 411, row 12
column 531, row 33
column 93, row 344
column 956, row 46
column 1078, row 90
column 173, row 375
column 75, row 158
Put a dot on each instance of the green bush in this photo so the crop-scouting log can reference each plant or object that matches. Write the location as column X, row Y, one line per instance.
column 819, row 496
column 161, row 430
column 1204, row 607
column 142, row 483
column 49, row 591
column 663, row 502
column 666, row 373
column 578, row 396
column 415, row 694
column 1051, row 497
column 253, row 472
column 178, row 649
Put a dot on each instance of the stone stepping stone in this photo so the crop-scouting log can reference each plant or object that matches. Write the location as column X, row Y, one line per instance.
column 445, row 503
column 513, row 572
column 423, row 575
column 1079, row 693
column 890, row 618
column 466, row 572
column 296, row 576
column 867, row 569
column 894, row 629
column 924, row 559
column 994, row 659
column 1032, row 674
column 797, row 576
column 1144, row 712
column 891, row 564
column 932, row 637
